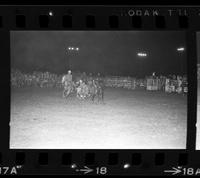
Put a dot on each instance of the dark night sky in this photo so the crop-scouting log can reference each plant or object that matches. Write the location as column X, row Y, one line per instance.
column 113, row 53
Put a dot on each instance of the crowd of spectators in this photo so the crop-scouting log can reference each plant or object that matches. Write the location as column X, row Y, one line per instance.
column 35, row 79
column 171, row 83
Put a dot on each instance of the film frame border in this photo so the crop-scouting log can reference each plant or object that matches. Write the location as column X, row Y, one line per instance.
column 142, row 162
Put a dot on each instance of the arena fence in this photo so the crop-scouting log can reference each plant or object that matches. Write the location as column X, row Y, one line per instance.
column 120, row 82
column 150, row 84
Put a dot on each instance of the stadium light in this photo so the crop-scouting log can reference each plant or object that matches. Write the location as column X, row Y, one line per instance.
column 73, row 48
column 126, row 165
column 180, row 49
column 141, row 54
column 50, row 13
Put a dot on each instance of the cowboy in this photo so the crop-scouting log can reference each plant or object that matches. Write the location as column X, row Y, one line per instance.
column 154, row 75
column 84, row 77
column 90, row 77
column 82, row 90
column 66, row 81
column 179, row 84
column 98, row 78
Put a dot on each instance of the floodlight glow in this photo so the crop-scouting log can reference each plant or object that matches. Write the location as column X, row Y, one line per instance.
column 142, row 54
column 73, row 166
column 72, row 48
column 181, row 49
column 69, row 48
column 126, row 166
column 77, row 49
column 50, row 13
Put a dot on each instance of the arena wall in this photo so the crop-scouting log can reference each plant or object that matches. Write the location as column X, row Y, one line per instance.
column 117, row 82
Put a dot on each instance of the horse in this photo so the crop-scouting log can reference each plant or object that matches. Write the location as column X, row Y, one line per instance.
column 96, row 90
column 92, row 89
column 82, row 90
column 69, row 88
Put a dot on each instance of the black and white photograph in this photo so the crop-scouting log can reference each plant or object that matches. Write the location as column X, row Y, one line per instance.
column 99, row 90
column 198, row 94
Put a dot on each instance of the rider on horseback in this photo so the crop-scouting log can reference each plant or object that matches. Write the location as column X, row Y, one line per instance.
column 67, row 81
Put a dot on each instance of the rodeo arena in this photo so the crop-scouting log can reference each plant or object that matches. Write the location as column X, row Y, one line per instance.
column 53, row 111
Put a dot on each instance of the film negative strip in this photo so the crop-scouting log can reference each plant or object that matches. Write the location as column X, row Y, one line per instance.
column 100, row 90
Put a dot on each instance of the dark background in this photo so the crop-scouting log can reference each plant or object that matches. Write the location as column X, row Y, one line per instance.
column 198, row 47
column 110, row 53
column 101, row 2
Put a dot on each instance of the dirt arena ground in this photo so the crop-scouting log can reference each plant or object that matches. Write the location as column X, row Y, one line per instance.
column 42, row 119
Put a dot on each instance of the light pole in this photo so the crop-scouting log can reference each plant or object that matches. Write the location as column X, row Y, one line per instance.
column 141, row 56
column 71, row 49
column 181, row 51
